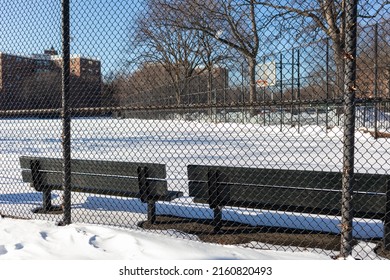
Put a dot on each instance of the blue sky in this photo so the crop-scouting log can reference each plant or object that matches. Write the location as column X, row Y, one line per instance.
column 98, row 28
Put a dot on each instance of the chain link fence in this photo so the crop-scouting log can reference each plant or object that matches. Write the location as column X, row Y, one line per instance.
column 258, row 123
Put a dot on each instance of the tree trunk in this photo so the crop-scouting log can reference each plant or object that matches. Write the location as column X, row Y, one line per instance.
column 209, row 91
column 178, row 90
column 340, row 69
column 252, row 85
column 337, row 37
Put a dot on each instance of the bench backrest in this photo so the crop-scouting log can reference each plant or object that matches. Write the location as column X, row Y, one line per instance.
column 100, row 177
column 314, row 192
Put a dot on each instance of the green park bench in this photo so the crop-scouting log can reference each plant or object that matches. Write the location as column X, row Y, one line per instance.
column 312, row 192
column 146, row 181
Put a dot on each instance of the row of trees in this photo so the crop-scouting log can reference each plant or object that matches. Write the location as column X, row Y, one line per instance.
column 183, row 38
column 152, row 85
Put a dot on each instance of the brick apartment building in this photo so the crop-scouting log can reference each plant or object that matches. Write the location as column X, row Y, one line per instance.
column 34, row 82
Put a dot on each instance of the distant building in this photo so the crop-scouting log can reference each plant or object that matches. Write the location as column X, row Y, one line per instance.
column 34, row 82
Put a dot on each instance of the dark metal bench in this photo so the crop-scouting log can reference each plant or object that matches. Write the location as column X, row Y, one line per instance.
column 312, row 192
column 146, row 181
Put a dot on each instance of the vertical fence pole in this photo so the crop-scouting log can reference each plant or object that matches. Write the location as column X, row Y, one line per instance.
column 65, row 113
column 349, row 127
column 264, row 92
column 281, row 90
column 299, row 88
column 292, row 86
column 376, row 81
column 327, row 85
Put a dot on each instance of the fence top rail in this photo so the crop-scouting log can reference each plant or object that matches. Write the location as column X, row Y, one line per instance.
column 185, row 107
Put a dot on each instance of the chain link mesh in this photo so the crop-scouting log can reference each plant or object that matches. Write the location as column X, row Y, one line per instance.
column 219, row 121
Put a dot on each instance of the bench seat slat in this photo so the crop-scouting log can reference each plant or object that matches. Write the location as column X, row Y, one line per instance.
column 291, row 178
column 97, row 167
column 293, row 199
column 98, row 184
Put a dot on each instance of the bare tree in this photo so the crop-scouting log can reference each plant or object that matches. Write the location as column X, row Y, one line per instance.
column 231, row 22
column 150, row 85
column 373, row 61
column 326, row 16
column 213, row 56
column 182, row 53
column 174, row 50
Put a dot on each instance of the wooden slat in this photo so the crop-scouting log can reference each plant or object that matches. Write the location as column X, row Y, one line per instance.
column 371, row 182
column 290, row 178
column 98, row 184
column 97, row 167
column 293, row 199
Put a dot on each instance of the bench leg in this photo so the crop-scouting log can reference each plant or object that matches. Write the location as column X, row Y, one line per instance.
column 151, row 212
column 46, row 202
column 47, row 207
column 217, row 221
column 46, row 195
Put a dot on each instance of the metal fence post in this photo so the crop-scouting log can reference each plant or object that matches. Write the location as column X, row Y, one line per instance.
column 65, row 113
column 327, row 85
column 349, row 127
column 376, row 81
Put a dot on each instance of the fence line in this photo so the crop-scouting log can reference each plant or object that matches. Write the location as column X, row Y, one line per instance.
column 183, row 141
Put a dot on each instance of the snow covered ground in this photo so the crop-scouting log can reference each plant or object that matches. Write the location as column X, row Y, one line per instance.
column 33, row 239
column 147, row 255
column 177, row 144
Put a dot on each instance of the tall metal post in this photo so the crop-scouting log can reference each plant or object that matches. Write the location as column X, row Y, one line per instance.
column 298, row 97
column 327, row 85
column 264, row 91
column 292, row 86
column 281, row 90
column 376, row 81
column 349, row 127
column 65, row 113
